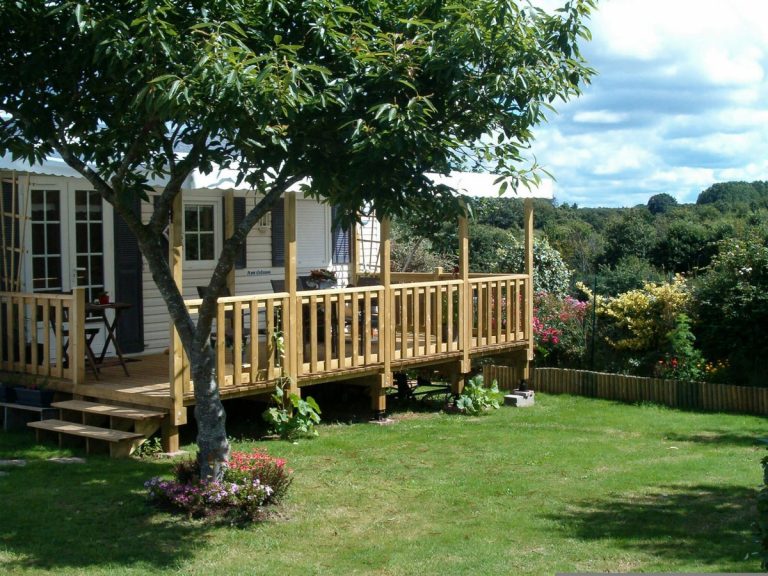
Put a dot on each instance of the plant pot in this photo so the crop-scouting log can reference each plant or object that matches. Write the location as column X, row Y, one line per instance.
column 103, row 299
column 34, row 396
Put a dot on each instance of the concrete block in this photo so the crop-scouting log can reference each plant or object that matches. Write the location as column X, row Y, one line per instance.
column 520, row 400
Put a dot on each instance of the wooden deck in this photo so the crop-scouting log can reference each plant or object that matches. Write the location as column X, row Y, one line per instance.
column 361, row 333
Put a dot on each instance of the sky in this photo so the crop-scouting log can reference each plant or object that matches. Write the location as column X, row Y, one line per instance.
column 679, row 102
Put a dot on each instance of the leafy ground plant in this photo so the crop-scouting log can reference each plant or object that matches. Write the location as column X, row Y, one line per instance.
column 762, row 516
column 292, row 416
column 252, row 481
column 476, row 398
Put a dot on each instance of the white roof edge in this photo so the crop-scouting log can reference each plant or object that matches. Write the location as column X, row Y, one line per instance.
column 483, row 185
column 473, row 184
column 218, row 179
column 51, row 166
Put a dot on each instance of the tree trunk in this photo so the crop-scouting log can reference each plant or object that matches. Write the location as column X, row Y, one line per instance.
column 212, row 443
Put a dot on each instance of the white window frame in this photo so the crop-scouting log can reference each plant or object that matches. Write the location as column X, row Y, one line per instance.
column 218, row 227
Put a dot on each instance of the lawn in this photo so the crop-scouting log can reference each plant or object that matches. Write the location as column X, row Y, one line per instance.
column 571, row 484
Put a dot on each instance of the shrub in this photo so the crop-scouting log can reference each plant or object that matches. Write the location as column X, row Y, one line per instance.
column 683, row 361
column 732, row 309
column 251, row 482
column 636, row 325
column 476, row 399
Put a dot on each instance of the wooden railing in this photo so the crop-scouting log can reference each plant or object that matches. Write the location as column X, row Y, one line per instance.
column 334, row 331
column 498, row 314
column 341, row 330
column 246, row 333
column 426, row 318
column 43, row 334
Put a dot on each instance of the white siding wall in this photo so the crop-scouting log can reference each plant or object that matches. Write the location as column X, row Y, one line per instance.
column 314, row 251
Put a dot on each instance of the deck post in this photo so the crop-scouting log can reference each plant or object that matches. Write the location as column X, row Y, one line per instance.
column 457, row 378
column 170, row 436
column 378, row 390
column 77, row 339
column 466, row 296
column 178, row 414
column 386, row 335
column 291, row 344
column 529, row 292
column 229, row 230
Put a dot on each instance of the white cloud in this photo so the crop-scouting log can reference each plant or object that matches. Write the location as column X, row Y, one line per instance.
column 680, row 102
column 599, row 117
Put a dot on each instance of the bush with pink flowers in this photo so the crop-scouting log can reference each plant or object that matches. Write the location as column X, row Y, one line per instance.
column 560, row 329
column 252, row 482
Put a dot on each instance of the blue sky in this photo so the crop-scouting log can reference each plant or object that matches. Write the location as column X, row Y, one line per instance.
column 680, row 102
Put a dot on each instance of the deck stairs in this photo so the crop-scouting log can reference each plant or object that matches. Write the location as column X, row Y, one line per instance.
column 103, row 427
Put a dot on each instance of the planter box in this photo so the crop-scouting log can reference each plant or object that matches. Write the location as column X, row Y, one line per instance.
column 7, row 394
column 33, row 397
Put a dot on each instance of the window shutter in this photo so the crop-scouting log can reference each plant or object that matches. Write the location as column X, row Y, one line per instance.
column 164, row 239
column 278, row 233
column 238, row 207
column 340, row 240
column 128, row 285
column 241, row 260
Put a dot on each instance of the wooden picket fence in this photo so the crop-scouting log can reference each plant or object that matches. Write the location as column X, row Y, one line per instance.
column 633, row 389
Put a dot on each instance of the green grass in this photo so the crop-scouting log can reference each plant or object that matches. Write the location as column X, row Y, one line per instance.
column 572, row 485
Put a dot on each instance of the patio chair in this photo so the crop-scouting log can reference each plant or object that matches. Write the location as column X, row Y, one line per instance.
column 92, row 329
column 364, row 282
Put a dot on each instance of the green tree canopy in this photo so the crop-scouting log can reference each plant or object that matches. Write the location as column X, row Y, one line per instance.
column 360, row 97
column 732, row 194
column 630, row 234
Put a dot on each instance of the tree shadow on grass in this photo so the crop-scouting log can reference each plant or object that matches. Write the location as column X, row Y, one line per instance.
column 705, row 525
column 719, row 437
column 57, row 516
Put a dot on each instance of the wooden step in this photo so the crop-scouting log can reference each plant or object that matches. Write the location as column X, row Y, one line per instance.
column 121, row 443
column 108, row 410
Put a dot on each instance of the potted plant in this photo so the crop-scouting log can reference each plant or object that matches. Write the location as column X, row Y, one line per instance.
column 33, row 392
column 321, row 278
column 103, row 297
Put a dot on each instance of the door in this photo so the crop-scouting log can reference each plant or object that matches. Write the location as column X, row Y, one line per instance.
column 67, row 240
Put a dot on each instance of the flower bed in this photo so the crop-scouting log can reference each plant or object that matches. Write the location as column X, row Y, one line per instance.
column 252, row 481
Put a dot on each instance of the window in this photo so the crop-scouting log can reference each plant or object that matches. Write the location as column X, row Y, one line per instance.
column 46, row 240
column 199, row 232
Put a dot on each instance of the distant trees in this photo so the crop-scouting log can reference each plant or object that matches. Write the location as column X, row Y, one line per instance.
column 684, row 247
column 661, row 203
column 630, row 234
column 710, row 321
column 728, row 195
